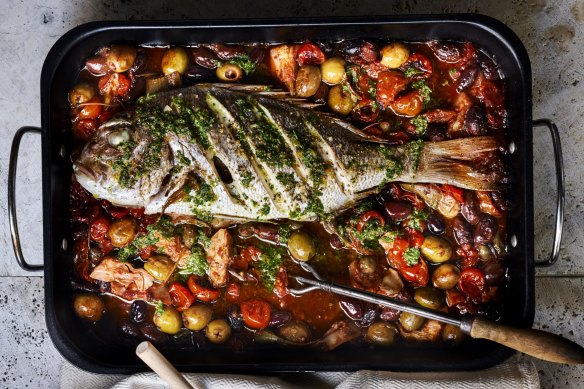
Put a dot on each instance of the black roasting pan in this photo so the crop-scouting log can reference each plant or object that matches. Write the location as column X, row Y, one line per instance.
column 61, row 67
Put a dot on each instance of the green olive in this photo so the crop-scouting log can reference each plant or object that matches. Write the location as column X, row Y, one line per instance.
column 296, row 332
column 485, row 252
column 452, row 334
column 81, row 93
column 445, row 276
column 218, row 331
column 340, row 101
column 174, row 59
column 168, row 320
column 436, row 249
column 429, row 297
column 411, row 322
column 307, row 81
column 88, row 306
column 301, row 246
column 394, row 55
column 122, row 231
column 381, row 333
column 229, row 72
column 159, row 266
column 189, row 234
column 197, row 316
column 121, row 57
column 333, row 70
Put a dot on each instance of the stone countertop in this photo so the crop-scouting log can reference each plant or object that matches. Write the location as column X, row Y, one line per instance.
column 552, row 33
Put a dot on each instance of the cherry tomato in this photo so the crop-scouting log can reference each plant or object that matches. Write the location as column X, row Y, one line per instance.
column 115, row 211
column 409, row 104
column 256, row 313
column 366, row 111
column 469, row 255
column 472, row 282
column 310, row 54
column 396, row 251
column 232, row 292
column 115, row 84
column 99, row 227
column 416, row 275
column 454, row 297
column 90, row 109
column 486, row 204
column 146, row 252
column 106, row 246
column 455, row 192
column 416, row 239
column 366, row 217
column 200, row 290
column 85, row 128
column 180, row 296
column 420, row 62
column 389, row 84
column 137, row 212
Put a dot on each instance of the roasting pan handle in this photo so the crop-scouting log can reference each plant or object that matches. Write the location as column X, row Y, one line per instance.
column 560, row 196
column 12, row 199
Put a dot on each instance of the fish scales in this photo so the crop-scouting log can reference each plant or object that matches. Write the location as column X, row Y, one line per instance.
column 220, row 156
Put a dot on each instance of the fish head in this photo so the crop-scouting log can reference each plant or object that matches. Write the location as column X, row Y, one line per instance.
column 123, row 164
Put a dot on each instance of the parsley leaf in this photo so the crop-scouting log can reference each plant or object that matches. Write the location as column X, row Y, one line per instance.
column 416, row 218
column 423, row 89
column 411, row 72
column 412, row 256
column 244, row 62
column 421, row 124
column 196, row 262
column 159, row 308
column 268, row 265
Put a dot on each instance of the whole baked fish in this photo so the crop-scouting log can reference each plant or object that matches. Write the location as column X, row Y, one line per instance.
column 220, row 155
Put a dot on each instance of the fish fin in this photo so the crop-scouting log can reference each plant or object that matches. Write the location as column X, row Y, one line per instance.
column 249, row 88
column 458, row 162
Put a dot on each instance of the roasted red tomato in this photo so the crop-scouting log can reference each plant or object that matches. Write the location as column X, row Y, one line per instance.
column 85, row 128
column 472, row 282
column 99, row 227
column 115, row 211
column 416, row 275
column 200, row 290
column 256, row 313
column 368, row 216
column 232, row 292
column 310, row 54
column 455, row 192
column 180, row 296
column 389, row 84
column 114, row 84
column 91, row 109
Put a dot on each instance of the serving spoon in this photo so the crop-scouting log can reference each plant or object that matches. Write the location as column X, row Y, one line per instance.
column 537, row 343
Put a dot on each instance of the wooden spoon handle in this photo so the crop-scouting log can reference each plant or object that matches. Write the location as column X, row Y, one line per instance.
column 539, row 344
column 161, row 366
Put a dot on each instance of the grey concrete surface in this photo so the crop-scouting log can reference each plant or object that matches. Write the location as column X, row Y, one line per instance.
column 552, row 32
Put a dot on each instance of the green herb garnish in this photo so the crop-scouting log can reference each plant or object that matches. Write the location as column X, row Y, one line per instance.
column 416, row 218
column 284, row 231
column 421, row 124
column 244, row 62
column 196, row 262
column 412, row 256
column 159, row 308
column 424, row 90
column 269, row 264
column 411, row 72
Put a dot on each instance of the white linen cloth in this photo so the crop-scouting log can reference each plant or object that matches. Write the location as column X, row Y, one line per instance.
column 508, row 375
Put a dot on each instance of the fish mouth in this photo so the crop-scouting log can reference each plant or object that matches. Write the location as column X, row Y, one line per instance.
column 84, row 172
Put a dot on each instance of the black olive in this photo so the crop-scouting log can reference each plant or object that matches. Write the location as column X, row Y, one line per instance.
column 494, row 272
column 435, row 224
column 352, row 309
column 235, row 317
column 130, row 329
column 83, row 286
column 138, row 310
column 398, row 210
column 470, row 208
column 279, row 318
column 487, row 66
column 490, row 310
column 485, row 230
column 153, row 334
column 467, row 77
column 389, row 314
column 462, row 231
column 475, row 121
column 369, row 316
column 447, row 52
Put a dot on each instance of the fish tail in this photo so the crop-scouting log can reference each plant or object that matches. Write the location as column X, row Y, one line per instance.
column 471, row 163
